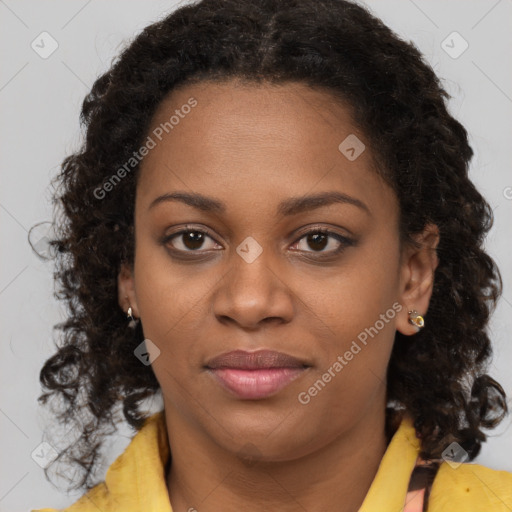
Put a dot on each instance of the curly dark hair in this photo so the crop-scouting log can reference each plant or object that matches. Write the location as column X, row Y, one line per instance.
column 398, row 102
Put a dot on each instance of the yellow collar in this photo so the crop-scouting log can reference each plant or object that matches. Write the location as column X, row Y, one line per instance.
column 136, row 480
column 389, row 487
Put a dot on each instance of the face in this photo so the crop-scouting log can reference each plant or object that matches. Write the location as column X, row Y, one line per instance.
column 278, row 240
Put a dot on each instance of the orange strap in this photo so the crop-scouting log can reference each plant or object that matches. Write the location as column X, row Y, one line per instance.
column 414, row 501
column 420, row 484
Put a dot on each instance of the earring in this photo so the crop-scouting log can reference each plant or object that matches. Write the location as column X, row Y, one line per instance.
column 416, row 319
column 133, row 322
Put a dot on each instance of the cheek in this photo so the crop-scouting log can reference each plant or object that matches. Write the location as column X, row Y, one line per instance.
column 169, row 303
column 360, row 308
column 352, row 373
column 366, row 286
column 167, row 293
column 165, row 299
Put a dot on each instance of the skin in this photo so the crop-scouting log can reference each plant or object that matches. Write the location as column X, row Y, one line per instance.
column 251, row 147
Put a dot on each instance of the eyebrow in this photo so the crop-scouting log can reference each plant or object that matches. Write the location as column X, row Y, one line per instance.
column 288, row 207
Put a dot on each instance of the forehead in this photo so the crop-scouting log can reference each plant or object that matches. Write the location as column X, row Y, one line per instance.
column 246, row 116
column 264, row 142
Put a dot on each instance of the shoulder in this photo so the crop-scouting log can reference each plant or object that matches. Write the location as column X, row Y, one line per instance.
column 135, row 470
column 471, row 487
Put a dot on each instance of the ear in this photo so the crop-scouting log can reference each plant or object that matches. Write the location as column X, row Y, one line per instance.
column 417, row 277
column 126, row 290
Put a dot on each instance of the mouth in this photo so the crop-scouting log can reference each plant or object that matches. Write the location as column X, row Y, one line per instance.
column 255, row 375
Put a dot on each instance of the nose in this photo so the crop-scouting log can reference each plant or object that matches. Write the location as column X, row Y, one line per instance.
column 252, row 293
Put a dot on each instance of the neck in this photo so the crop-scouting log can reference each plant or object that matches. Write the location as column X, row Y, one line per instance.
column 205, row 477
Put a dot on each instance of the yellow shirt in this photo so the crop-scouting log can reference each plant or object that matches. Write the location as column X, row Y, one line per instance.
column 136, row 480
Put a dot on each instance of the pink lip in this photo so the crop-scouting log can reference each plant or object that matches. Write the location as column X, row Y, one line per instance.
column 257, row 360
column 255, row 384
column 255, row 375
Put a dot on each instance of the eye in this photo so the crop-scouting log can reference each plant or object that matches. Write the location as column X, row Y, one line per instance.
column 319, row 239
column 189, row 240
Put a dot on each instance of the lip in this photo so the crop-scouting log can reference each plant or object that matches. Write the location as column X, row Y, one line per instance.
column 257, row 360
column 255, row 375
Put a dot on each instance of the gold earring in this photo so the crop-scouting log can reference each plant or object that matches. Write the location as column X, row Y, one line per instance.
column 416, row 319
column 133, row 321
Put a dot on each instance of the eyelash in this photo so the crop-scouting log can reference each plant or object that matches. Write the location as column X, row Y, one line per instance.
column 344, row 241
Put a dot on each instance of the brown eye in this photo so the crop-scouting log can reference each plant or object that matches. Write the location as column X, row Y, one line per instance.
column 318, row 240
column 189, row 240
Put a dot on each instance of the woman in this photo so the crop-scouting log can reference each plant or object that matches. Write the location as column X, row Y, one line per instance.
column 271, row 224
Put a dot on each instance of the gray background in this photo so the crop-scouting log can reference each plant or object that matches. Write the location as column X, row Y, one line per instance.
column 40, row 101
